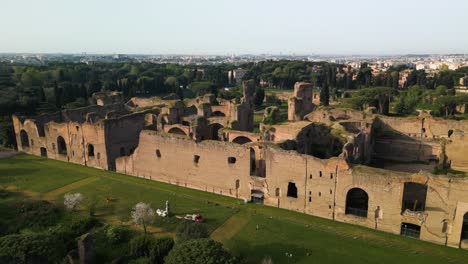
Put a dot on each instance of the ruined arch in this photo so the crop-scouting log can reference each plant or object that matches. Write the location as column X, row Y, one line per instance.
column 177, row 131
column 61, row 145
column 90, row 151
column 24, row 138
column 213, row 131
column 357, row 202
column 218, row 114
column 241, row 140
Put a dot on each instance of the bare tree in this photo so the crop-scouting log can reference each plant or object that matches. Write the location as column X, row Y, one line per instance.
column 72, row 200
column 143, row 215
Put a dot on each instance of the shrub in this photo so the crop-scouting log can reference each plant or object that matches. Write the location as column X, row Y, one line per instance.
column 199, row 251
column 117, row 234
column 141, row 245
column 161, row 249
column 190, row 230
column 36, row 214
column 32, row 247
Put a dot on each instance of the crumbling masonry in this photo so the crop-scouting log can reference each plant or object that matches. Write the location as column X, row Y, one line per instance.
column 317, row 163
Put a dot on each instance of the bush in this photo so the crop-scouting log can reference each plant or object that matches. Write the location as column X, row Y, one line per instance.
column 36, row 214
column 148, row 246
column 141, row 245
column 32, row 247
column 117, row 234
column 199, row 251
column 188, row 230
column 161, row 249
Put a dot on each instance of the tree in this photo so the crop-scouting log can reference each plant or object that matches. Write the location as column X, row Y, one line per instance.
column 72, row 200
column 143, row 214
column 325, row 95
column 199, row 251
column 259, row 96
column 190, row 230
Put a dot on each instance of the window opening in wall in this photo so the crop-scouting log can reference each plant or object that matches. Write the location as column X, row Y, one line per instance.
column 231, row 160
column 277, row 192
column 196, row 158
column 320, row 194
column 90, row 150
column 450, row 132
column 292, row 190
column 77, row 128
column 331, row 175
column 320, row 173
column 414, row 197
column 62, row 146
column 158, row 153
column 310, row 176
column 253, row 165
column 24, row 139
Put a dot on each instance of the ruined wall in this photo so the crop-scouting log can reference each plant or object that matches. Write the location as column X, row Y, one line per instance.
column 122, row 135
column 385, row 191
column 420, row 138
column 172, row 159
column 300, row 103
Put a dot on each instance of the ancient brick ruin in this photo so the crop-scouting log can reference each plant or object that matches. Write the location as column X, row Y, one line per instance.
column 320, row 162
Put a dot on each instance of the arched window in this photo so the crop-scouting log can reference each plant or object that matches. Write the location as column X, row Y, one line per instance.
column 61, row 145
column 241, row 140
column 24, row 139
column 357, row 202
column 90, row 151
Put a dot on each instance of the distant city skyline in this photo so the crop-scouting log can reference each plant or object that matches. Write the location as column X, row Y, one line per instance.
column 214, row 27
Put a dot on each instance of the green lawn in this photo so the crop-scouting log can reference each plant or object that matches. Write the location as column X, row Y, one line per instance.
column 309, row 239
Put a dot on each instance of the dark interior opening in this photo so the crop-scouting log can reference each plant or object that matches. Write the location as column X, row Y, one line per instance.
column 292, row 190
column 24, row 139
column 414, row 197
column 61, row 145
column 357, row 202
column 90, row 150
column 410, row 230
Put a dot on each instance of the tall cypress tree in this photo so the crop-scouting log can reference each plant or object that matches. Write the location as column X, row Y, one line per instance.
column 325, row 95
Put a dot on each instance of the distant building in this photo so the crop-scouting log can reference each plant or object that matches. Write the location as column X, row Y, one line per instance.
column 235, row 76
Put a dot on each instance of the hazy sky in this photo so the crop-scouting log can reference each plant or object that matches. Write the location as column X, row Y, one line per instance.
column 236, row 26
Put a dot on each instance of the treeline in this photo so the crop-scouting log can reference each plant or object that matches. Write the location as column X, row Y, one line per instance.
column 32, row 90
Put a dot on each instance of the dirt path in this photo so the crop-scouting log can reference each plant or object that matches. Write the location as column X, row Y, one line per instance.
column 64, row 189
column 7, row 154
column 231, row 227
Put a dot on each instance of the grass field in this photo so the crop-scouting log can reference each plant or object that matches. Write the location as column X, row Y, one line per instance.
column 306, row 239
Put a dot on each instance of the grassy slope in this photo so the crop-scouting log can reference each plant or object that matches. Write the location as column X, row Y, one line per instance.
column 309, row 239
